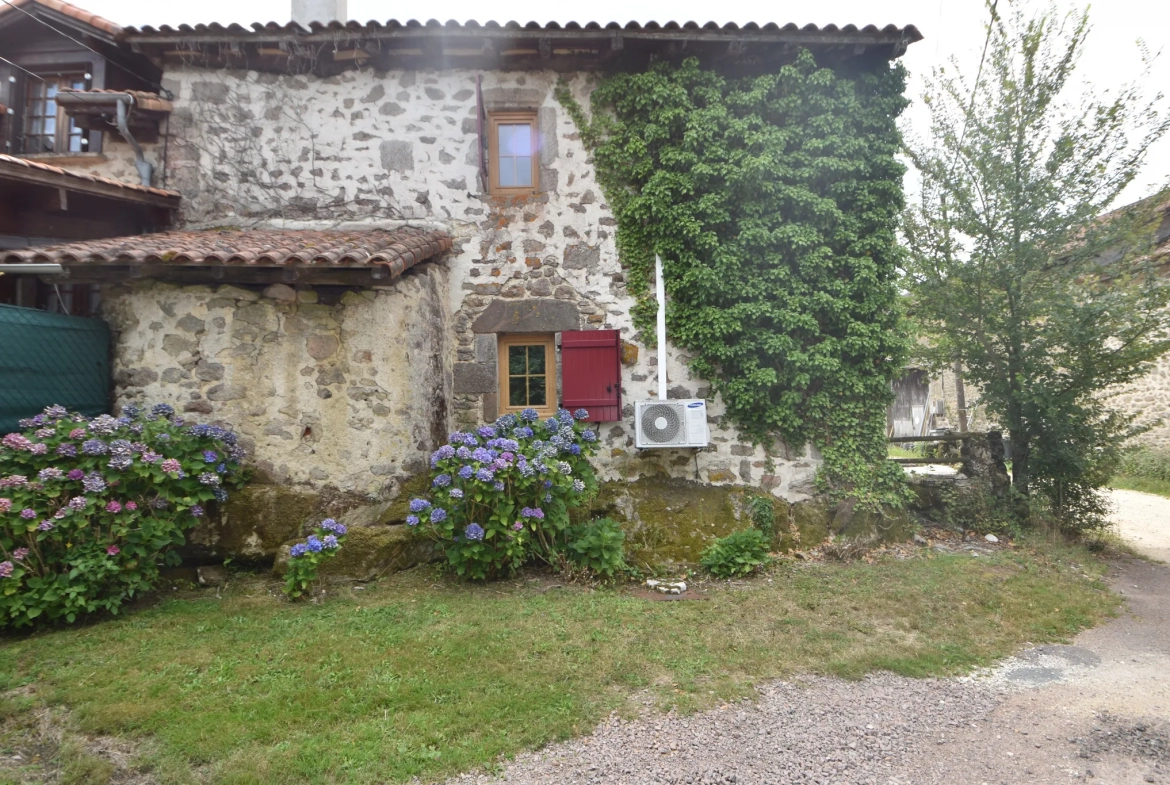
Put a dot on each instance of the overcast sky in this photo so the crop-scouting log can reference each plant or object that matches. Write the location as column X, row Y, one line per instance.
column 951, row 27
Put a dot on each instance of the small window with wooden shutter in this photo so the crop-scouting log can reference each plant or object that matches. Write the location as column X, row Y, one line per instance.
column 591, row 373
column 528, row 373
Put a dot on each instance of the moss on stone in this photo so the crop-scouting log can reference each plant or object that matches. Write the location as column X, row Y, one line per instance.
column 398, row 508
column 808, row 526
column 370, row 552
column 254, row 522
column 887, row 525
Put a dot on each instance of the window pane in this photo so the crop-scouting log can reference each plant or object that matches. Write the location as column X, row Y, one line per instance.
column 75, row 143
column 50, row 125
column 507, row 172
column 52, row 91
column 35, row 124
column 516, row 366
column 536, row 359
column 523, row 176
column 518, row 140
column 516, row 392
column 77, row 85
column 536, row 392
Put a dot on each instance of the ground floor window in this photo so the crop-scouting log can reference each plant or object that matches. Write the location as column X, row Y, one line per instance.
column 527, row 366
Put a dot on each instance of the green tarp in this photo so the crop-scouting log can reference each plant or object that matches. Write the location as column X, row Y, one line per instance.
column 48, row 358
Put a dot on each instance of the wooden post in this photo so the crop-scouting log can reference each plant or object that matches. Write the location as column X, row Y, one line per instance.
column 960, row 397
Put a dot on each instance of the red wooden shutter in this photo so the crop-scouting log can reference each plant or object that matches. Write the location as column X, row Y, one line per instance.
column 591, row 373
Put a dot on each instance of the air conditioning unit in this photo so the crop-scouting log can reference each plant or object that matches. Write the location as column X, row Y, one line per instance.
column 672, row 423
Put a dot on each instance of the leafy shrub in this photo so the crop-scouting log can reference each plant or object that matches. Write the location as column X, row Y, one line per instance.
column 738, row 553
column 307, row 556
column 90, row 509
column 502, row 494
column 598, row 546
column 762, row 512
column 1146, row 463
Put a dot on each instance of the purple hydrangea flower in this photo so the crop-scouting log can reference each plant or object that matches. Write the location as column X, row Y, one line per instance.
column 530, row 415
column 28, row 513
column 463, row 453
column 78, row 503
column 103, row 425
column 484, row 475
column 75, row 474
column 473, row 531
column 39, row 449
column 442, row 481
column 5, row 505
column 16, row 441
column 442, row 454
column 171, row 466
column 121, row 447
column 482, row 455
column 51, row 473
column 499, row 486
column 94, row 447
column 121, row 462
column 418, row 505
column 77, row 433
column 20, row 553
column 466, row 471
column 162, row 410
column 486, row 431
column 44, row 433
column 210, row 456
column 438, row 515
column 506, row 421
column 314, row 543
column 532, row 512
column 129, row 410
column 299, row 550
column 67, row 450
column 331, row 525
column 330, row 542
column 94, row 483
column 196, row 510
column 523, row 432
column 46, row 526
column 151, row 457
column 518, row 525
column 412, row 520
column 6, row 569
column 114, row 506
column 456, row 493
column 55, row 412
column 208, row 478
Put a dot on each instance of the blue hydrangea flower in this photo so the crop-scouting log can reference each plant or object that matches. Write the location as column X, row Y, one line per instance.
column 486, row 431
column 442, row 481
column 418, row 505
column 588, row 435
column 526, row 470
column 581, row 414
column 67, row 450
column 210, row 456
column 456, row 493
column 532, row 512
column 530, row 415
column 121, row 447
column 93, row 483
column 103, row 425
column 564, row 468
column 441, row 454
column 552, row 423
column 482, row 455
column 466, row 471
column 412, row 520
column 207, row 478
column 463, row 453
column 162, row 410
column 506, row 421
column 220, row 494
column 499, row 486
column 485, row 475
column 314, row 543
column 222, row 468
column 129, row 410
column 578, row 485
column 121, row 462
column 473, row 531
column 574, row 449
column 196, row 510
column 299, row 550
column 331, row 525
column 438, row 515
column 548, row 483
column 94, row 447
column 330, row 542
column 523, row 432
column 547, row 497
column 565, row 416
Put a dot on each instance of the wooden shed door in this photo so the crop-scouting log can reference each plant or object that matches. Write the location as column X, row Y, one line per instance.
column 908, row 413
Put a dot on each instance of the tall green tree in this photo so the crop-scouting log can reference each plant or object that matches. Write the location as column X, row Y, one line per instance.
column 1016, row 271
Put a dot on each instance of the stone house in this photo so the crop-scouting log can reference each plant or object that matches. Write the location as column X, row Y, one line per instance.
column 375, row 217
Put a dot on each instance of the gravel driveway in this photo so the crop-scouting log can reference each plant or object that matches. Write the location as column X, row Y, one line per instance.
column 1095, row 711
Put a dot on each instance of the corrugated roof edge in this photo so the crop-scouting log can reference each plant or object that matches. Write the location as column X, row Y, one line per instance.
column 909, row 33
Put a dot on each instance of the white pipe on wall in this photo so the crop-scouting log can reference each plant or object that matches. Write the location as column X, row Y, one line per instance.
column 660, row 291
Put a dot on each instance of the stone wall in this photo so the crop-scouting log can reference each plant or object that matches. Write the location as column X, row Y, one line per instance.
column 379, row 148
column 346, row 390
column 1148, row 399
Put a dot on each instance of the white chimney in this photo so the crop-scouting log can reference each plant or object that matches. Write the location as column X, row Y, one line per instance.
column 323, row 11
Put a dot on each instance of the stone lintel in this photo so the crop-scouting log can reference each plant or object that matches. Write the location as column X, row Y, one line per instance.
column 535, row 315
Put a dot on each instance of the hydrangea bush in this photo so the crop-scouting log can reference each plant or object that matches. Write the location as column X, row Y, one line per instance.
column 501, row 495
column 305, row 557
column 91, row 508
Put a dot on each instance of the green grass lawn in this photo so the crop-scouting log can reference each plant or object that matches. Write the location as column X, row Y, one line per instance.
column 420, row 676
column 1143, row 484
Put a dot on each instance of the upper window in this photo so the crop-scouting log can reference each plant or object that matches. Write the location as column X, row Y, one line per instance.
column 512, row 152
column 528, row 368
column 47, row 128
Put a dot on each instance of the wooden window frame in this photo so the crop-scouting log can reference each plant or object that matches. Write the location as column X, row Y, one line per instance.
column 64, row 127
column 495, row 120
column 505, row 340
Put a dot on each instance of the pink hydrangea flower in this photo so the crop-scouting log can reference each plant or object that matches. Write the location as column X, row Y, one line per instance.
column 6, row 569
column 131, row 506
column 114, row 507
column 5, row 505
column 77, row 433
column 172, row 465
column 39, row 449
column 20, row 553
column 113, row 550
column 16, row 441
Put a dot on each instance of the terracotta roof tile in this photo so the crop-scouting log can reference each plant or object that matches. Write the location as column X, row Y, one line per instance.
column 12, row 165
column 65, row 9
column 398, row 249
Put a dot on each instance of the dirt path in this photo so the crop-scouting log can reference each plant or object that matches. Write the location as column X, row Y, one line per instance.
column 1096, row 711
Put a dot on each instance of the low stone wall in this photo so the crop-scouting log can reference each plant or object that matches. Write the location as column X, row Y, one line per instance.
column 329, row 389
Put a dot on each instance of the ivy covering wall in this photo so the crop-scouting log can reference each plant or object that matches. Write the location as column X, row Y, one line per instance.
column 774, row 203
